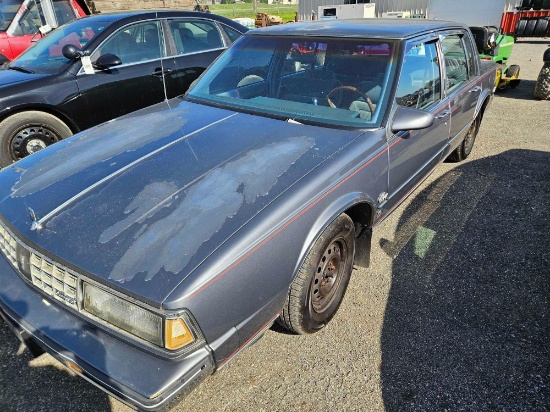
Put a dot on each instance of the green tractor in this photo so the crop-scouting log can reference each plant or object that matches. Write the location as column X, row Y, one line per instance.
column 493, row 45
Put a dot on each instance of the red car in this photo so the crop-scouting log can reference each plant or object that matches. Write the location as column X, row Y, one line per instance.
column 24, row 21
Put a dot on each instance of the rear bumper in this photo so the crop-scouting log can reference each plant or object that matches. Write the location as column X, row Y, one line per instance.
column 129, row 373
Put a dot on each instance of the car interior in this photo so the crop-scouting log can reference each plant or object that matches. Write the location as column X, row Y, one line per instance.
column 331, row 80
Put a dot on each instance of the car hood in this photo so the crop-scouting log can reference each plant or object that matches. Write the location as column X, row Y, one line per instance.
column 141, row 201
column 8, row 77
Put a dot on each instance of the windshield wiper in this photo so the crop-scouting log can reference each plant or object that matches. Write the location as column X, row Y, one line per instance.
column 20, row 69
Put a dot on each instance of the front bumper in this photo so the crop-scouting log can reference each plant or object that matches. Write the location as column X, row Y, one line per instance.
column 132, row 375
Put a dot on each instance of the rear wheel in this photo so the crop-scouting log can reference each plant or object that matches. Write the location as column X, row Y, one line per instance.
column 465, row 148
column 318, row 289
column 26, row 133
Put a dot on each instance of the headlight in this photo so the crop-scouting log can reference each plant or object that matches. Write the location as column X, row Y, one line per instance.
column 173, row 333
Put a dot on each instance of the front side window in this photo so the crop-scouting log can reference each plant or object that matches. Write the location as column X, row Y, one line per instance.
column 31, row 19
column 34, row 15
column 332, row 81
column 456, row 68
column 419, row 81
column 8, row 10
column 192, row 36
column 46, row 55
column 135, row 43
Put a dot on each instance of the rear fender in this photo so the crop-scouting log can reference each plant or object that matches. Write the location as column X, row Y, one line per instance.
column 483, row 101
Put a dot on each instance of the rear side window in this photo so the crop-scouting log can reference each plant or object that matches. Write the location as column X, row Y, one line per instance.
column 192, row 36
column 420, row 80
column 232, row 33
column 456, row 66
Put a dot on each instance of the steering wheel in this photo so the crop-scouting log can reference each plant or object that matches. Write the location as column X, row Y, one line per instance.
column 353, row 89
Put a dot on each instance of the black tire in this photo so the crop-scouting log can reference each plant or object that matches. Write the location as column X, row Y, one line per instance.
column 25, row 133
column 530, row 28
column 546, row 56
column 318, row 289
column 542, row 86
column 540, row 28
column 465, row 147
column 520, row 28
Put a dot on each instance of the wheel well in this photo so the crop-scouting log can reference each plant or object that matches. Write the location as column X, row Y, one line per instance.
column 483, row 107
column 362, row 214
column 65, row 119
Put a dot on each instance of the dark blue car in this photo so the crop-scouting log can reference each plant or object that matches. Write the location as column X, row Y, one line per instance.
column 146, row 252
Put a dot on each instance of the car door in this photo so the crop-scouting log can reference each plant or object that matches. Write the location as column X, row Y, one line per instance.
column 136, row 83
column 197, row 42
column 461, row 84
column 413, row 154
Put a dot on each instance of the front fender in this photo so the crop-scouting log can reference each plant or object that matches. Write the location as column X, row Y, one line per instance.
column 340, row 205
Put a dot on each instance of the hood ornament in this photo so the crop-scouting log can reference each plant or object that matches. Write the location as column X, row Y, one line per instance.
column 36, row 225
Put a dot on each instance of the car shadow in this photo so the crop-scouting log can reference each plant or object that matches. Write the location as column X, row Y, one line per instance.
column 466, row 322
column 33, row 384
column 524, row 91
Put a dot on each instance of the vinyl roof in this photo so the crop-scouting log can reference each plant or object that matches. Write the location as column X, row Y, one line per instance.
column 360, row 28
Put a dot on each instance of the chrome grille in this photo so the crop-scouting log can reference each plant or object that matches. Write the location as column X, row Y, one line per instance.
column 7, row 245
column 54, row 280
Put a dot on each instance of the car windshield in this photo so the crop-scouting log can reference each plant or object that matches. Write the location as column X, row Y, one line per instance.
column 8, row 9
column 46, row 56
column 330, row 81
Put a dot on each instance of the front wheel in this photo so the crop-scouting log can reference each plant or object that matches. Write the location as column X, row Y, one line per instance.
column 318, row 289
column 25, row 133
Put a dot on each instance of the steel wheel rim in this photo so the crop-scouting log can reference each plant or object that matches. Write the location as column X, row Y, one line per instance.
column 31, row 139
column 470, row 137
column 328, row 275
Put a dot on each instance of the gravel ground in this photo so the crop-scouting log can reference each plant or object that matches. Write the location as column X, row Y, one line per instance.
column 452, row 314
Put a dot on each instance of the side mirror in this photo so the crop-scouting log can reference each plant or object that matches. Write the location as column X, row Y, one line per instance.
column 70, row 51
column 408, row 118
column 107, row 61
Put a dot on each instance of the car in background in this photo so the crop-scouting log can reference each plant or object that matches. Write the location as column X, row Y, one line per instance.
column 23, row 22
column 101, row 67
column 147, row 252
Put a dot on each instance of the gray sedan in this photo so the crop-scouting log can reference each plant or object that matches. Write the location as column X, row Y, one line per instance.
column 147, row 252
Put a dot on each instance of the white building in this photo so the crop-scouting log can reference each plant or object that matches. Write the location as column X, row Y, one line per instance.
column 417, row 8
column 282, row 2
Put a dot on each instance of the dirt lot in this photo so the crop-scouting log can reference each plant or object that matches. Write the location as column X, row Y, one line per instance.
column 452, row 314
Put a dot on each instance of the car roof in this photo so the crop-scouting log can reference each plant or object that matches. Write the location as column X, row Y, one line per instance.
column 360, row 28
column 152, row 14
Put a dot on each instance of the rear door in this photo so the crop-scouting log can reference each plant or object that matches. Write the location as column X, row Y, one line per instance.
column 197, row 42
column 137, row 83
column 461, row 81
column 413, row 154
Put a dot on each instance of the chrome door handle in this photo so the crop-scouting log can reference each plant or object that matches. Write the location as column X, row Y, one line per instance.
column 159, row 72
column 443, row 115
column 475, row 89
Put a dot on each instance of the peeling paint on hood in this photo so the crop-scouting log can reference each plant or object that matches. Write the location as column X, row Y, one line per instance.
column 202, row 211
